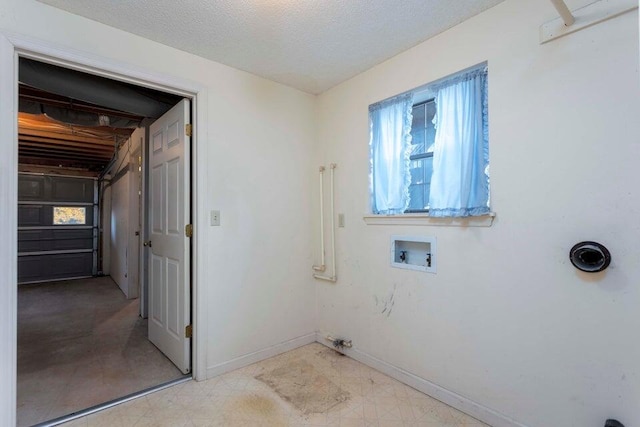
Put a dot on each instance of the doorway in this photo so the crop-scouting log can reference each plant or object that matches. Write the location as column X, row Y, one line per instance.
column 9, row 82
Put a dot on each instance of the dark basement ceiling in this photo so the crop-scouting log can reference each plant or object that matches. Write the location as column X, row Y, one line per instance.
column 72, row 119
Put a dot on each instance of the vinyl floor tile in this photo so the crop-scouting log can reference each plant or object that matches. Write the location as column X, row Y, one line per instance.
column 243, row 398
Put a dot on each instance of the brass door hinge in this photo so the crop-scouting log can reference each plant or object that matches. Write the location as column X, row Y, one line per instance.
column 188, row 129
column 188, row 331
column 188, row 230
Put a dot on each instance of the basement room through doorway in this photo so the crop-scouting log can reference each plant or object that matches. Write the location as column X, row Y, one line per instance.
column 103, row 258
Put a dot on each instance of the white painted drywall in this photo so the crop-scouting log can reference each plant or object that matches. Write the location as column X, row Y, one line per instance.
column 123, row 243
column 260, row 135
column 119, row 242
column 507, row 321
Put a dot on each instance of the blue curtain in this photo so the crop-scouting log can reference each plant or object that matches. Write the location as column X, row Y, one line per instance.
column 390, row 129
column 460, row 181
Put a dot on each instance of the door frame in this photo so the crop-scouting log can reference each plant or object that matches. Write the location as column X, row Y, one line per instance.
column 13, row 46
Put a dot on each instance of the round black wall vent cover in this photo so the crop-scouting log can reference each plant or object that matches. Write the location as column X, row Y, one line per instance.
column 591, row 257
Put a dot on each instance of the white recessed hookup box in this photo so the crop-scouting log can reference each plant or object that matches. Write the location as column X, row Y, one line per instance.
column 414, row 253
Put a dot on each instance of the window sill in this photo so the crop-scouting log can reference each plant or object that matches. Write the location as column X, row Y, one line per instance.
column 424, row 219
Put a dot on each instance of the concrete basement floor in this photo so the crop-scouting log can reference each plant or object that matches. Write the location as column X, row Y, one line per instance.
column 309, row 386
column 81, row 343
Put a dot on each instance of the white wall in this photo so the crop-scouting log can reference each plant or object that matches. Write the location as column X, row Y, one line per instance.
column 123, row 216
column 260, row 135
column 119, row 241
column 507, row 321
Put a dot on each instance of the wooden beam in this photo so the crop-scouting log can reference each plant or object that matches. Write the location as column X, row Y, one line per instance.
column 24, row 130
column 58, row 154
column 60, row 163
column 25, row 158
column 56, row 170
column 61, row 143
column 64, row 149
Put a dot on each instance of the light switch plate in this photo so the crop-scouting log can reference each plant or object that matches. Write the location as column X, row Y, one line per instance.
column 215, row 218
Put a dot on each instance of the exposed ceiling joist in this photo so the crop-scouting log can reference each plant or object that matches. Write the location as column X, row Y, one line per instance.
column 56, row 170
column 61, row 149
column 46, row 142
column 61, row 154
column 28, row 158
column 70, row 136
column 58, row 142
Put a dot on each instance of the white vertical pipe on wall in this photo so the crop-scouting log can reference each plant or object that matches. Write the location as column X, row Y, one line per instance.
column 322, row 266
column 564, row 12
column 333, row 277
column 333, row 223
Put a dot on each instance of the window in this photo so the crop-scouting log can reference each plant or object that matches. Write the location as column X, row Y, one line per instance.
column 69, row 215
column 430, row 149
column 423, row 135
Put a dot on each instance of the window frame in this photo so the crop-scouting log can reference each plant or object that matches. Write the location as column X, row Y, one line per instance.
column 53, row 216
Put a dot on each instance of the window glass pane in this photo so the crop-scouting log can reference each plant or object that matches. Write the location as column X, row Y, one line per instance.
column 428, row 171
column 430, row 129
column 418, row 130
column 423, row 134
column 421, row 170
column 416, row 191
column 417, row 171
column 418, row 116
column 69, row 215
column 417, row 141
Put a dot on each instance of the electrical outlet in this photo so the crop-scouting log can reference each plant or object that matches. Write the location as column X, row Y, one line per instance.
column 215, row 218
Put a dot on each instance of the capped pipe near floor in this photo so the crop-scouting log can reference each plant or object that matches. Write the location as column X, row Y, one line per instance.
column 339, row 342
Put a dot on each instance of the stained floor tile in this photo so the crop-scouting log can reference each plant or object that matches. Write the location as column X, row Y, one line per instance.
column 310, row 386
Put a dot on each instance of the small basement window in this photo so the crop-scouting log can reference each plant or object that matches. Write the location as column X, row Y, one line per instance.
column 69, row 215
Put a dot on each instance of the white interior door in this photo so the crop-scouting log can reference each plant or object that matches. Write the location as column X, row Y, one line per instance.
column 169, row 213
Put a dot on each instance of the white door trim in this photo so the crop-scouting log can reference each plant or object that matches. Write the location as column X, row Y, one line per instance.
column 12, row 46
column 8, row 231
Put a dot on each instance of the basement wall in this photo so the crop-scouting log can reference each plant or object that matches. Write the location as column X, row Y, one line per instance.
column 507, row 322
column 118, row 243
column 122, row 216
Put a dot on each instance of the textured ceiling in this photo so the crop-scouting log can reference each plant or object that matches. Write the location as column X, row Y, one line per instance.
column 310, row 45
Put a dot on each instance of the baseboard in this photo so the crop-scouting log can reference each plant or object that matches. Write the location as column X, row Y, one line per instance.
column 469, row 407
column 257, row 356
